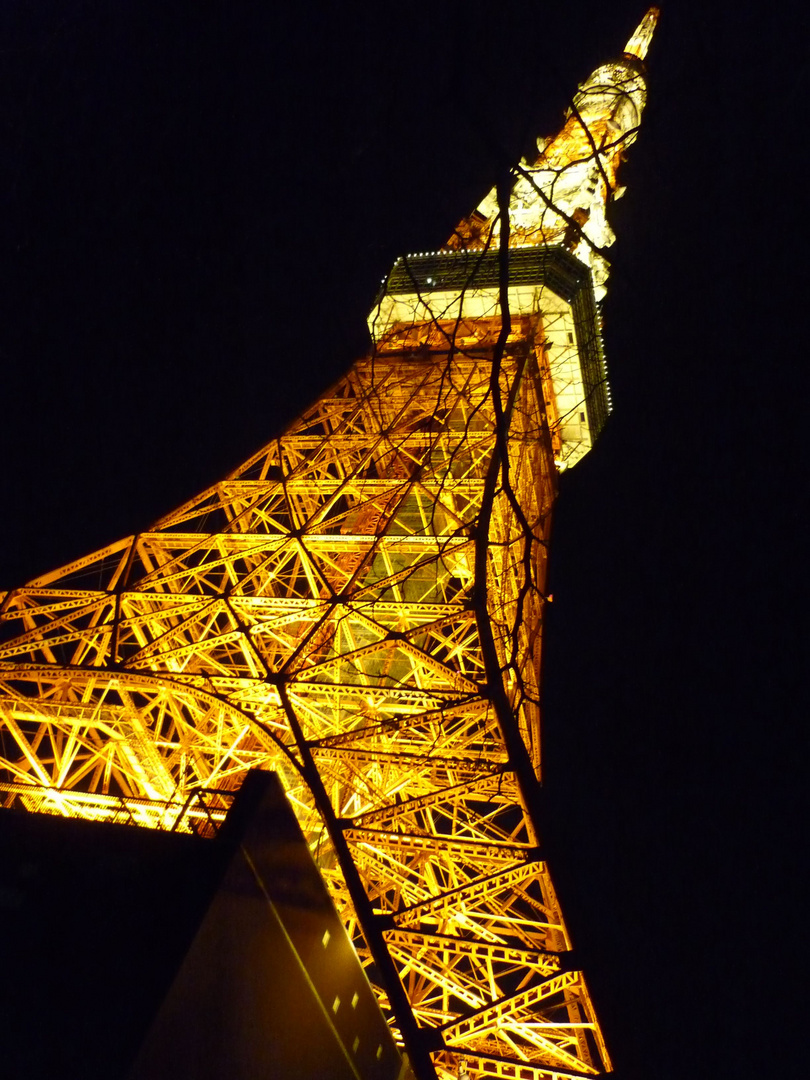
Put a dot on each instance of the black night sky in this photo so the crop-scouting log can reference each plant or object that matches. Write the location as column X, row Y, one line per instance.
column 198, row 202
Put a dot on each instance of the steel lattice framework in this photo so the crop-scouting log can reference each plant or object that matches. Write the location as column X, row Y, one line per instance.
column 360, row 608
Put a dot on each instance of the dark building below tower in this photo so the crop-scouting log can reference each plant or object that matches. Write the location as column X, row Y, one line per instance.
column 136, row 953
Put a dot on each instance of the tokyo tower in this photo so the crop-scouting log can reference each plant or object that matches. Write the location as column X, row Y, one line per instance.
column 359, row 607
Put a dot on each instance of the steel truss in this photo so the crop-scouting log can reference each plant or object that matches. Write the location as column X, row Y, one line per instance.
column 317, row 613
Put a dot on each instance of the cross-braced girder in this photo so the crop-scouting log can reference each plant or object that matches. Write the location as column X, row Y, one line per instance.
column 317, row 613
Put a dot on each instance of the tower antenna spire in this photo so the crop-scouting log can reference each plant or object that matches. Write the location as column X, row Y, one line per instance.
column 641, row 37
column 562, row 196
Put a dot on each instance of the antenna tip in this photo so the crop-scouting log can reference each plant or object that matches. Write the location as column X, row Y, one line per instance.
column 640, row 40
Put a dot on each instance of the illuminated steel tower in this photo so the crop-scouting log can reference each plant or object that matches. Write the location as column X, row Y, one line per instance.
column 359, row 607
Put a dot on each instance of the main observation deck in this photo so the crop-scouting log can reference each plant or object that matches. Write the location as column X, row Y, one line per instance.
column 457, row 287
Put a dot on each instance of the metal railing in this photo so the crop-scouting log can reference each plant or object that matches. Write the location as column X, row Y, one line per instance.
column 201, row 813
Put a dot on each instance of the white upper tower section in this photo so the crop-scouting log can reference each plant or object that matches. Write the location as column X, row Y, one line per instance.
column 562, row 196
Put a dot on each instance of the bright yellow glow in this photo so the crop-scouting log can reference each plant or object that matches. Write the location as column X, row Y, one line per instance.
column 639, row 43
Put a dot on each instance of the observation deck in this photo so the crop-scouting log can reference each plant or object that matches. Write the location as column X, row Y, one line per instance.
column 454, row 289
